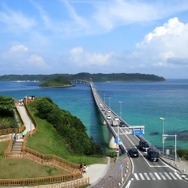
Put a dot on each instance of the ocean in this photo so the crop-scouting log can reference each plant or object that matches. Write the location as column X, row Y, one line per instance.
column 138, row 103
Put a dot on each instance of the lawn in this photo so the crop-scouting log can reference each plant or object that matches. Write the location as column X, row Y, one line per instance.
column 22, row 168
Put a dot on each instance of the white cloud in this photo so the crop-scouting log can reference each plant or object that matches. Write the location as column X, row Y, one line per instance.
column 172, row 27
column 36, row 61
column 18, row 48
column 82, row 58
column 121, row 12
column 166, row 44
column 22, row 61
column 16, row 20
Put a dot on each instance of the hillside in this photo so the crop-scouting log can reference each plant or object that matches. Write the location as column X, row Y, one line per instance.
column 59, row 81
column 7, row 119
column 68, row 128
column 115, row 77
column 98, row 77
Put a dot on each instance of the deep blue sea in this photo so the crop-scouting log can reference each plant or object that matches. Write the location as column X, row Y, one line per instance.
column 142, row 103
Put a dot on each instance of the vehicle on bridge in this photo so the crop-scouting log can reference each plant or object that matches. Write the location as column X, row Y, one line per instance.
column 153, row 154
column 133, row 152
column 115, row 122
column 143, row 145
column 109, row 117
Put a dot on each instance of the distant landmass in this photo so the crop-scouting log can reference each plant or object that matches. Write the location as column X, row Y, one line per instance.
column 62, row 80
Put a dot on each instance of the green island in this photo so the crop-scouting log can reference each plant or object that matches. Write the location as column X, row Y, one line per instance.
column 64, row 80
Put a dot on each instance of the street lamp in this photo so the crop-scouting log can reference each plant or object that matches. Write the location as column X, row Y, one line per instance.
column 118, row 140
column 109, row 102
column 175, row 144
column 104, row 97
column 120, row 108
column 175, row 147
column 163, row 119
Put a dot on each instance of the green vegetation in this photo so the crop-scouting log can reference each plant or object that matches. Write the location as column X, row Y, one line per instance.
column 7, row 113
column 116, row 77
column 22, row 168
column 99, row 77
column 59, row 81
column 183, row 154
column 62, row 134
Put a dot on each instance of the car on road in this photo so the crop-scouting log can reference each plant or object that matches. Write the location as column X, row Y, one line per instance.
column 133, row 152
column 115, row 122
column 109, row 117
column 121, row 124
column 143, row 145
column 153, row 154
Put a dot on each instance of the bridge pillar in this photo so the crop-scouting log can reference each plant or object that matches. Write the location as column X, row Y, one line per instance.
column 104, row 122
column 111, row 143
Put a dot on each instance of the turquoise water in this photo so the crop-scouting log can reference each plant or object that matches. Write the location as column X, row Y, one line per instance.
column 142, row 103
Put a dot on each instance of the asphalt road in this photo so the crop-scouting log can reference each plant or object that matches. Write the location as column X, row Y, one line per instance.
column 144, row 174
column 147, row 174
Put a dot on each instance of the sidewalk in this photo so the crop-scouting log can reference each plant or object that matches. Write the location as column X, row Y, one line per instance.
column 26, row 120
column 111, row 175
column 180, row 165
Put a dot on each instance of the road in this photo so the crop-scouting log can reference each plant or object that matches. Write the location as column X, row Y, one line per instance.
column 144, row 174
column 149, row 174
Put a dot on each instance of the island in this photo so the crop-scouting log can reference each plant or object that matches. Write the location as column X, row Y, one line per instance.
column 65, row 80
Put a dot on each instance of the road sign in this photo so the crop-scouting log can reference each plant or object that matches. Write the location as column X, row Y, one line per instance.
column 138, row 132
column 117, row 141
column 121, row 166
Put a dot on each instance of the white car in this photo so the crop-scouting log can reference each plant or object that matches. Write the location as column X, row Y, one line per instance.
column 109, row 117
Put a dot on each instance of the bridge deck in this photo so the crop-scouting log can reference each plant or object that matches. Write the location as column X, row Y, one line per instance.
column 109, row 115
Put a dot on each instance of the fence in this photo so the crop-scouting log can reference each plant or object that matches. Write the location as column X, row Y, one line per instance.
column 47, row 180
column 13, row 130
column 50, row 160
column 7, row 151
column 4, row 138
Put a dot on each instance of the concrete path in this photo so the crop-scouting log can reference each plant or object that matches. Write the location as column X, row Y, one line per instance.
column 96, row 172
column 26, row 120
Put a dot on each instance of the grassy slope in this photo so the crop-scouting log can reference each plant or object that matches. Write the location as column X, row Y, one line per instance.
column 47, row 141
column 22, row 168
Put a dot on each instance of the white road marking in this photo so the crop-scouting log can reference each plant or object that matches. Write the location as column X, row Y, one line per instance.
column 172, row 175
column 152, row 176
column 142, row 177
column 161, row 174
column 158, row 177
column 166, row 174
column 136, row 176
column 146, row 175
column 178, row 176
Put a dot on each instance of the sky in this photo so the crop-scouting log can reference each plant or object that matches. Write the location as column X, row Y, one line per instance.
column 94, row 36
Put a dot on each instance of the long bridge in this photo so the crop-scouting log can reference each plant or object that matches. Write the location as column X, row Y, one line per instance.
column 122, row 136
column 114, row 122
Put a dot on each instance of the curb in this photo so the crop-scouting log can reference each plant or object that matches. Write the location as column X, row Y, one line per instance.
column 183, row 175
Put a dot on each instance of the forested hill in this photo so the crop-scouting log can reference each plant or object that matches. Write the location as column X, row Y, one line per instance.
column 98, row 77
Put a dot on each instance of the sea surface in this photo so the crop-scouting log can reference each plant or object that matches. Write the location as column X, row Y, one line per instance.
column 138, row 103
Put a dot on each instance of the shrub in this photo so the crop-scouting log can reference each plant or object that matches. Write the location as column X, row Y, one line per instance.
column 69, row 127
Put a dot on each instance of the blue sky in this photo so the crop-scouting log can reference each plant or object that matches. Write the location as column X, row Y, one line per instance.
column 95, row 36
